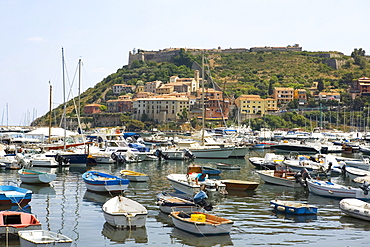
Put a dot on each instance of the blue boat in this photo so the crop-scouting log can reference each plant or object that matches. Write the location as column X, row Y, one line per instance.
column 210, row 170
column 293, row 207
column 14, row 195
column 102, row 182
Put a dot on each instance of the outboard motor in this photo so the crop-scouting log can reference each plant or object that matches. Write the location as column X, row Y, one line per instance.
column 365, row 187
column 118, row 158
column 188, row 154
column 301, row 177
column 200, row 200
column 61, row 160
column 161, row 155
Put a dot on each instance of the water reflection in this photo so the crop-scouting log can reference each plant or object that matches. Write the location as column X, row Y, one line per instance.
column 294, row 217
column 350, row 223
column 183, row 237
column 138, row 235
column 44, row 189
column 96, row 198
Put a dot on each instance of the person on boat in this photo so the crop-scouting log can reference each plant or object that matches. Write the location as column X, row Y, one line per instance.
column 201, row 177
column 200, row 198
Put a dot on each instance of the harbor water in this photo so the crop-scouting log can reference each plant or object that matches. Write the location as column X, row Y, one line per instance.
column 66, row 207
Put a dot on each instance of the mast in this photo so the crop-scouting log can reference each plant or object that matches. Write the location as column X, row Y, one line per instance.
column 64, row 101
column 79, row 88
column 203, row 110
column 50, row 106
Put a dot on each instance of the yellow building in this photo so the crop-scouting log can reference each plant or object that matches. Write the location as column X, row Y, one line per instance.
column 255, row 106
column 301, row 96
column 283, row 94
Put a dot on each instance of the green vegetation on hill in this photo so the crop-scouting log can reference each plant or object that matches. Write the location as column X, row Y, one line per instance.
column 236, row 74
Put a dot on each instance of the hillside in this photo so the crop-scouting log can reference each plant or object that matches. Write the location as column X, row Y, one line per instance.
column 236, row 74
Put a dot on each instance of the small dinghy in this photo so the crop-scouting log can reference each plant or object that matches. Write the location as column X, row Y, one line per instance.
column 293, row 207
column 40, row 238
column 355, row 208
column 102, row 182
column 227, row 166
column 122, row 212
column 201, row 223
column 14, row 195
column 233, row 184
column 170, row 202
column 35, row 177
column 135, row 176
column 11, row 222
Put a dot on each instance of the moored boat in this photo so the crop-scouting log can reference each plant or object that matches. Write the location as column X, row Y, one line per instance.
column 135, row 176
column 201, row 223
column 14, row 195
column 279, row 177
column 169, row 202
column 227, row 166
column 102, row 182
column 355, row 208
column 39, row 238
column 122, row 212
column 11, row 222
column 293, row 207
column 233, row 184
column 329, row 189
column 35, row 177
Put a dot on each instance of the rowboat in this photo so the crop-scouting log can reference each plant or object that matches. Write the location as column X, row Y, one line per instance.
column 169, row 202
column 279, row 177
column 122, row 212
column 102, row 182
column 293, row 207
column 135, row 176
column 36, row 177
column 186, row 183
column 11, row 222
column 227, row 166
column 329, row 189
column 40, row 238
column 233, row 184
column 355, row 208
column 14, row 195
column 210, row 171
column 201, row 223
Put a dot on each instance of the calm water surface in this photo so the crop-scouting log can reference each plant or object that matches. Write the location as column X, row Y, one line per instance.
column 67, row 208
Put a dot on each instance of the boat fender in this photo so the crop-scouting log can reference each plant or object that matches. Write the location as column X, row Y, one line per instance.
column 280, row 208
column 291, row 210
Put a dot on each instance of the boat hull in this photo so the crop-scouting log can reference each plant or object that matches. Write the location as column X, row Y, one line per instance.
column 31, row 177
column 239, row 185
column 41, row 238
column 293, row 207
column 101, row 182
column 334, row 190
column 355, row 208
column 269, row 177
column 14, row 195
column 212, row 153
column 201, row 228
column 12, row 222
column 122, row 212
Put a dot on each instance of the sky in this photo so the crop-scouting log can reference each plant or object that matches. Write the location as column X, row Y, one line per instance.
column 101, row 34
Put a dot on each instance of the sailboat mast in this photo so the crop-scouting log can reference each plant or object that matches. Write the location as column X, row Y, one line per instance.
column 50, row 106
column 203, row 106
column 64, row 101
column 79, row 88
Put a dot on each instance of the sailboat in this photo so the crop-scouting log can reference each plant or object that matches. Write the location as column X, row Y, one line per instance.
column 208, row 151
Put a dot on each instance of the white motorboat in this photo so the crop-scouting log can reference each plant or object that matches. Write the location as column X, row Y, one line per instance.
column 329, row 189
column 353, row 173
column 186, row 183
column 355, row 208
column 269, row 161
column 279, row 177
column 40, row 238
column 122, row 212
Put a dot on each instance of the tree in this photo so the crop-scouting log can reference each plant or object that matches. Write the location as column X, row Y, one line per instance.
column 359, row 56
column 320, row 85
column 103, row 107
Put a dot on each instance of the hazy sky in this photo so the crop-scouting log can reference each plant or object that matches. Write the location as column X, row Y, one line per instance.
column 102, row 33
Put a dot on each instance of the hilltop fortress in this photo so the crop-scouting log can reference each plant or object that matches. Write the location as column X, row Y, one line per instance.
column 168, row 54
